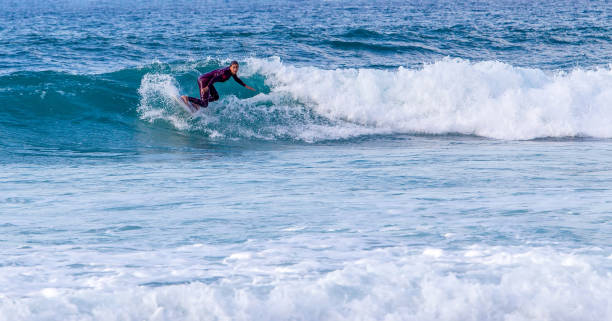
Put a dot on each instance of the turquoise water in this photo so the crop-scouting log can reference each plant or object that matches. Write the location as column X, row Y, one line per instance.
column 435, row 160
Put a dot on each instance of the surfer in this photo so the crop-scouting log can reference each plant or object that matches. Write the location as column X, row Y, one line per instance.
column 208, row 92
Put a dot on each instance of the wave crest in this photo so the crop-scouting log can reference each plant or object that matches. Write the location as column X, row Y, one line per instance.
column 489, row 99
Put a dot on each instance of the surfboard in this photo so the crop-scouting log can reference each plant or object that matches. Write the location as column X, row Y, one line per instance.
column 187, row 107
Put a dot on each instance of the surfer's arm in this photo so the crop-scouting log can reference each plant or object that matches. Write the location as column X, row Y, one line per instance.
column 238, row 80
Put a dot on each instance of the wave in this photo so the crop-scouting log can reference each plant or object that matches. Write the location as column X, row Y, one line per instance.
column 489, row 99
column 389, row 47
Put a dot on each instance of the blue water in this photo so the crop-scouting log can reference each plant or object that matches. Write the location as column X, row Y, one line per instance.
column 430, row 160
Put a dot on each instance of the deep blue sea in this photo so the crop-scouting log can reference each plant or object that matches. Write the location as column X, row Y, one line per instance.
column 400, row 160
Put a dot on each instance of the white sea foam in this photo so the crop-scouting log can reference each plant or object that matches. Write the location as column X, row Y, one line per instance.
column 156, row 100
column 501, row 283
column 490, row 98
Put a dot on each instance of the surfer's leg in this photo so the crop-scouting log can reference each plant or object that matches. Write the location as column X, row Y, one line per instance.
column 203, row 101
column 197, row 102
column 213, row 94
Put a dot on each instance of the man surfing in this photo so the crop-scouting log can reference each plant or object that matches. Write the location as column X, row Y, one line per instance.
column 208, row 92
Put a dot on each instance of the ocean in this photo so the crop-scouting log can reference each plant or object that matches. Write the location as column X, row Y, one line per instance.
column 399, row 160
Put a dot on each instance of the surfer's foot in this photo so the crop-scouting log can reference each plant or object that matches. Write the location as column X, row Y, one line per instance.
column 188, row 103
column 186, row 100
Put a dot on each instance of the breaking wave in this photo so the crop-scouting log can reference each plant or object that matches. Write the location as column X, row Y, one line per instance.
column 308, row 104
column 488, row 99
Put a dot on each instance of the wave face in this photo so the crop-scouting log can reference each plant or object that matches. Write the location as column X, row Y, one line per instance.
column 305, row 104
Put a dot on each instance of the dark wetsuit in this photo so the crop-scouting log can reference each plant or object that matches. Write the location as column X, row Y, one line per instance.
column 207, row 80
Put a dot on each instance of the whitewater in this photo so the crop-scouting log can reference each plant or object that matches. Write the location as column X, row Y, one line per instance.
column 430, row 160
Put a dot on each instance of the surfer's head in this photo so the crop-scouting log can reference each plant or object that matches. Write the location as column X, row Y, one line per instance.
column 234, row 67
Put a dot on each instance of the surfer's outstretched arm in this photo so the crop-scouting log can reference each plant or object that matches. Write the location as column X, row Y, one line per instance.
column 238, row 80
